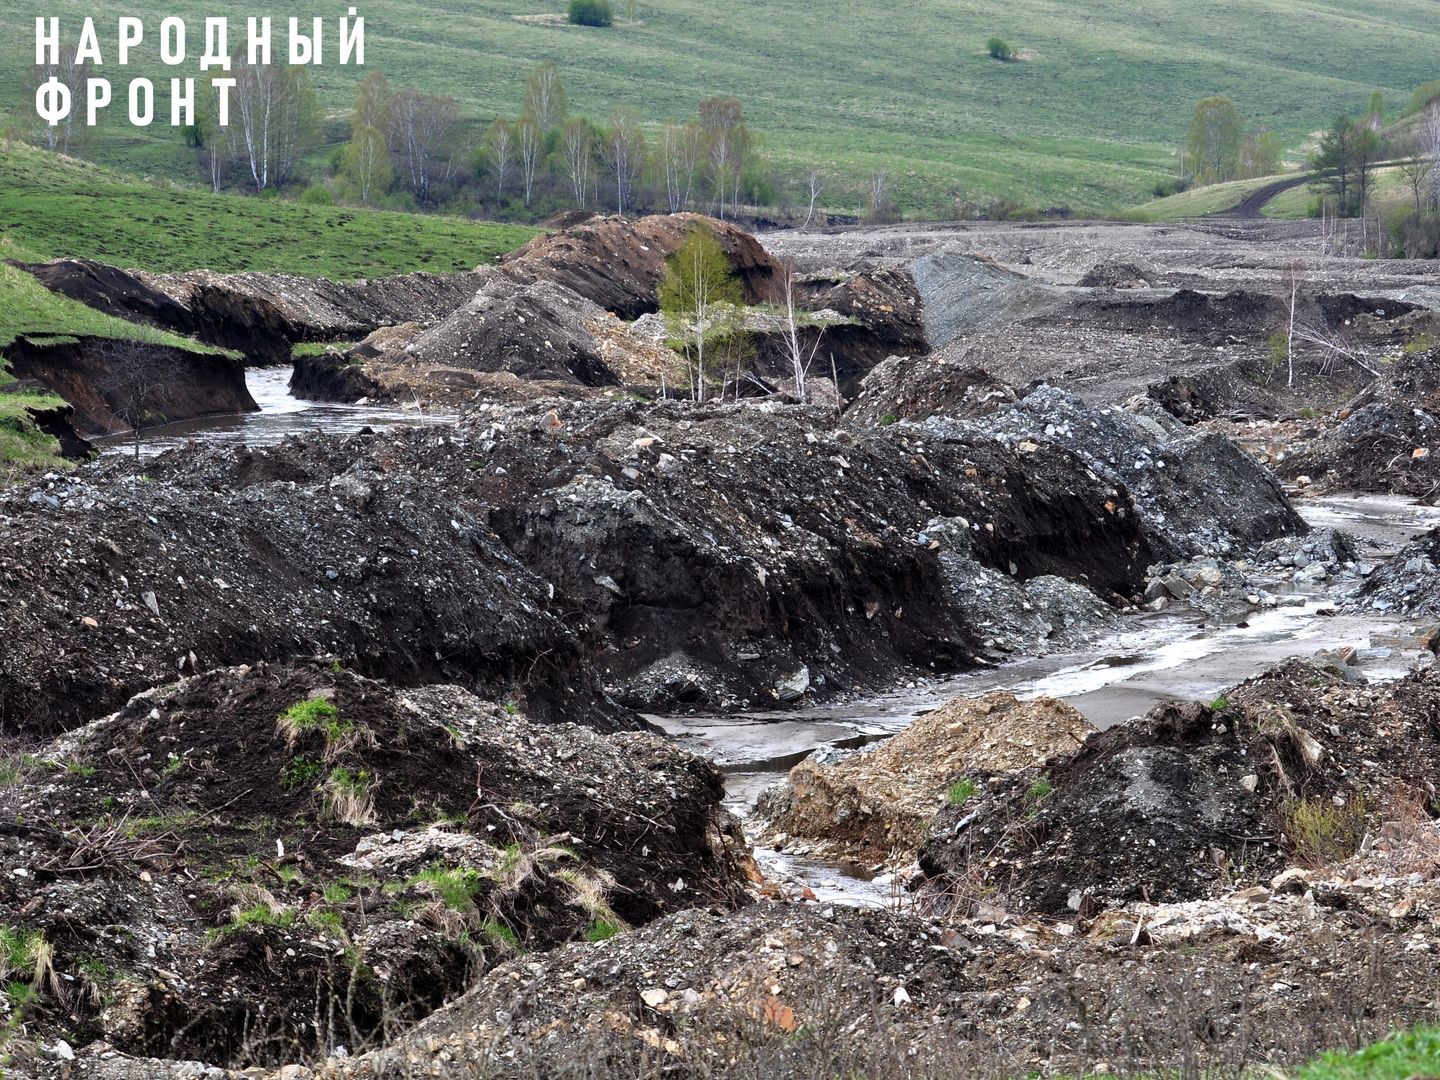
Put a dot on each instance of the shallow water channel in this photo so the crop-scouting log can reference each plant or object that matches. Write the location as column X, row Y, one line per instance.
column 1150, row 657
column 280, row 416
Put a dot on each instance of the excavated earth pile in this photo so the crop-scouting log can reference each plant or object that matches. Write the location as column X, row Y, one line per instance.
column 259, row 864
column 1293, row 765
column 680, row 556
column 874, row 805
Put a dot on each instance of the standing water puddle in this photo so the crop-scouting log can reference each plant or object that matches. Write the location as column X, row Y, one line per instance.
column 280, row 416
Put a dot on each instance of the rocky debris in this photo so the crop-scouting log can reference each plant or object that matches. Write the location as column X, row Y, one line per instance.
column 618, row 263
column 724, row 548
column 1408, row 583
column 1195, row 494
column 261, row 315
column 1116, row 275
column 1293, row 765
column 536, row 333
column 231, row 857
column 874, row 804
column 106, row 381
column 919, row 387
column 1386, row 440
column 1260, row 975
column 690, row 990
column 1280, row 573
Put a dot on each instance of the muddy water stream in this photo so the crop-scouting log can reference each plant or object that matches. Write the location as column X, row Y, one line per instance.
column 1150, row 658
column 280, row 416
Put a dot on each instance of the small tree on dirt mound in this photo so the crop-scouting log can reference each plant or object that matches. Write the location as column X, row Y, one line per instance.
column 999, row 49
column 701, row 300
column 591, row 13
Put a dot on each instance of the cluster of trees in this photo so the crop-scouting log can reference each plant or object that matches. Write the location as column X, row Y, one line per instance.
column 273, row 121
column 546, row 159
column 1350, row 158
column 1220, row 146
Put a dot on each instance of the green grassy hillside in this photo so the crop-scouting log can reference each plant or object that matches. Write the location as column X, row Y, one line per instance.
column 60, row 207
column 1089, row 119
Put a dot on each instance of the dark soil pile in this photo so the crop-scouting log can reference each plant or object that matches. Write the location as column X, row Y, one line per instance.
column 1388, row 439
column 677, row 555
column 619, row 263
column 111, row 583
column 261, row 315
column 259, row 863
column 1192, row 798
column 1196, row 493
column 1116, row 275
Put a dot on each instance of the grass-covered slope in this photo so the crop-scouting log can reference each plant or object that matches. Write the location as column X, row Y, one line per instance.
column 1089, row 118
column 60, row 207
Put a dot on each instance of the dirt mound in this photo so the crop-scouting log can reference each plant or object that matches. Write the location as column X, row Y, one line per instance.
column 258, row 863
column 619, row 263
column 1290, row 765
column 540, row 334
column 730, row 552
column 875, row 804
column 917, row 388
column 766, row 975
column 1388, row 438
column 678, row 556
column 799, row 992
column 1116, row 275
column 1195, row 493
column 108, row 382
column 114, row 578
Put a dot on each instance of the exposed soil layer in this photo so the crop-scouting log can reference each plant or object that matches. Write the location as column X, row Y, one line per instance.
column 259, row 315
column 1386, row 439
column 1177, row 805
column 1194, row 491
column 113, row 579
column 256, row 864
column 619, row 263
column 110, row 384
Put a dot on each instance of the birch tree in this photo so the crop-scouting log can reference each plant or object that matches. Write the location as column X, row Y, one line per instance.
column 500, row 152
column 701, row 300
column 422, row 127
column 814, row 185
column 624, row 154
column 577, row 149
column 681, row 149
column 545, row 97
column 531, row 139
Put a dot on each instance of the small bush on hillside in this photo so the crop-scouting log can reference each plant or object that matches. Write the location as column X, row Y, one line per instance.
column 999, row 49
column 317, row 196
column 591, row 13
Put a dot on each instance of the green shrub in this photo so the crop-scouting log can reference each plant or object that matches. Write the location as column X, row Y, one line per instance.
column 961, row 792
column 602, row 930
column 1322, row 832
column 316, row 195
column 591, row 13
column 999, row 49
